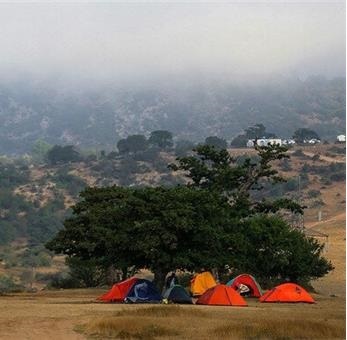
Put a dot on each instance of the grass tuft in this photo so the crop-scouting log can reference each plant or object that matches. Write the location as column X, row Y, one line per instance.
column 279, row 330
column 163, row 311
column 127, row 328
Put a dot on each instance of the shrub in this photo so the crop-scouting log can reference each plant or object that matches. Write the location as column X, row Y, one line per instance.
column 313, row 193
column 7, row 285
column 315, row 157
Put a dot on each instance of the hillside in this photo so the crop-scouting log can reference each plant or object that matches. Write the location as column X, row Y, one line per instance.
column 191, row 109
column 35, row 199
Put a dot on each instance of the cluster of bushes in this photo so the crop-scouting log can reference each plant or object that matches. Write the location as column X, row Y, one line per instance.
column 334, row 172
column 63, row 179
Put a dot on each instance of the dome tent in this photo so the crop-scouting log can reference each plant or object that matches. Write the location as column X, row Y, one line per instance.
column 133, row 290
column 247, row 280
column 177, row 294
column 287, row 292
column 221, row 295
column 201, row 282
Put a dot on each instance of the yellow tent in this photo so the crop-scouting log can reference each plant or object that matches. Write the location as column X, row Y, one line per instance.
column 201, row 282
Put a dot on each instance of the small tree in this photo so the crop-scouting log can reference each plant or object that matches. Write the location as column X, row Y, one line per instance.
column 302, row 134
column 161, row 138
column 40, row 150
column 63, row 154
column 132, row 144
column 218, row 143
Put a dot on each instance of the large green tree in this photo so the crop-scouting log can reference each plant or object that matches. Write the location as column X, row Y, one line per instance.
column 212, row 222
column 161, row 229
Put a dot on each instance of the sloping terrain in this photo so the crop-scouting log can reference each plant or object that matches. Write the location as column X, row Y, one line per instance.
column 190, row 109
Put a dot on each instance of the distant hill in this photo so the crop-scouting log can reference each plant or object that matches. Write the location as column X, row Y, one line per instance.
column 99, row 117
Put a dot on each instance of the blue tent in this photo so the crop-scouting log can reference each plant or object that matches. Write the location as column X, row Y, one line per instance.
column 177, row 294
column 143, row 291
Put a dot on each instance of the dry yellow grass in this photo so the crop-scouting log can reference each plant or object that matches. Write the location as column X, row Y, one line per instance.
column 72, row 314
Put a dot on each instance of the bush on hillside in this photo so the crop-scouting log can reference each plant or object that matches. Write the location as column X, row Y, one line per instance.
column 8, row 285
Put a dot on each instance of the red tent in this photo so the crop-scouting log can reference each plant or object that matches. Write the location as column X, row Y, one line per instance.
column 249, row 281
column 221, row 295
column 119, row 291
column 287, row 292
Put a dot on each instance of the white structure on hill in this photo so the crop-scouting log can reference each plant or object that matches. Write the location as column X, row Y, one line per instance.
column 341, row 138
column 264, row 142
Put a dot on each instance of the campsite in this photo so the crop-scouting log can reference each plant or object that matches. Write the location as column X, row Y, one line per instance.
column 75, row 314
column 173, row 170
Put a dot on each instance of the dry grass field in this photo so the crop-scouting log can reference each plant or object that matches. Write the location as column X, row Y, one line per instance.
column 74, row 315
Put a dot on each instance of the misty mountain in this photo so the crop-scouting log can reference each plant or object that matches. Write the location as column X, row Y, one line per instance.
column 98, row 117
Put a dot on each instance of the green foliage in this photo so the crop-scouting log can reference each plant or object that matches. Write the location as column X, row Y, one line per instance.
column 275, row 251
column 253, row 132
column 218, row 143
column 63, row 154
column 302, row 134
column 40, row 150
column 35, row 257
column 182, row 148
column 216, row 170
column 132, row 144
column 161, row 138
column 73, row 184
column 160, row 229
column 313, row 193
column 334, row 172
column 12, row 175
column 216, row 220
column 7, row 285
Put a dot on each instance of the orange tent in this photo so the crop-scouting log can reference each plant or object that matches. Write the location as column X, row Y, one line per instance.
column 221, row 295
column 287, row 292
column 119, row 291
column 201, row 282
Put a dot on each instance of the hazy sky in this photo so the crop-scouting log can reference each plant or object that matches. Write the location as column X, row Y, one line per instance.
column 98, row 40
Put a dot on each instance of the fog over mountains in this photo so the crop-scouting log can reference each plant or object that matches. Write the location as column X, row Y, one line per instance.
column 192, row 109
column 90, row 73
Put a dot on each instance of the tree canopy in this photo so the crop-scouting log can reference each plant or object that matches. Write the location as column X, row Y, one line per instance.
column 302, row 134
column 218, row 143
column 161, row 138
column 63, row 154
column 132, row 144
column 212, row 222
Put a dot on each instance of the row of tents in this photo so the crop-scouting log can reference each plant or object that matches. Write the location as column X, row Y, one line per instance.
column 207, row 292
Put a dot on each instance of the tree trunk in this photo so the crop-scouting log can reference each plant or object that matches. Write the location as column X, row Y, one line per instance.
column 159, row 279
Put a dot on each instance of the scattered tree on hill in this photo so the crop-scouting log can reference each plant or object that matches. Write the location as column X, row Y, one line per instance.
column 40, row 150
column 252, row 132
column 132, row 144
column 303, row 134
column 161, row 138
column 63, row 154
column 218, row 143
column 182, row 147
